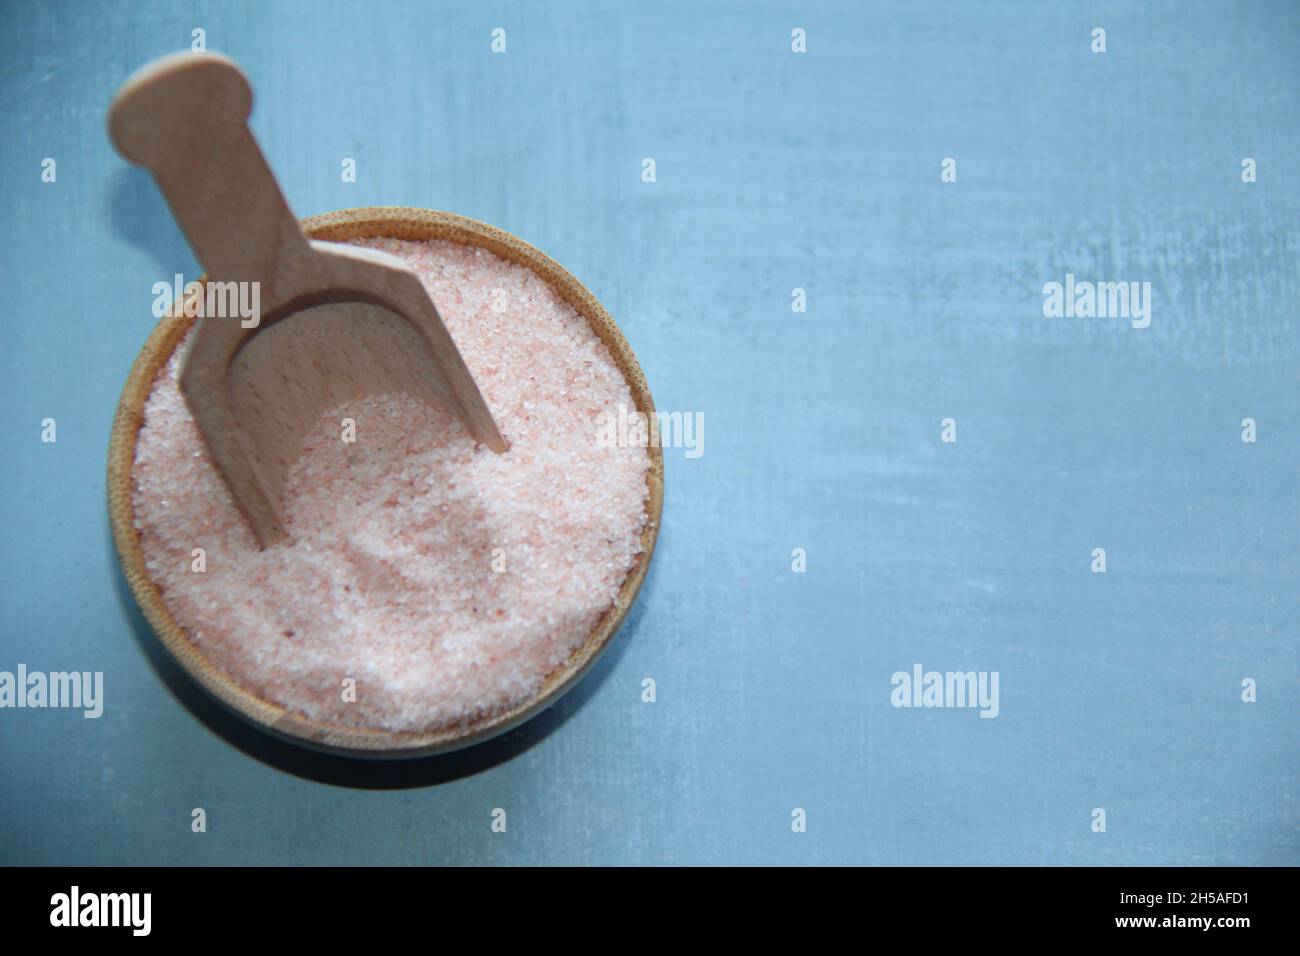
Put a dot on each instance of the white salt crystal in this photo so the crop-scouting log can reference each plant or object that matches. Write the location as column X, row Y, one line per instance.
column 388, row 575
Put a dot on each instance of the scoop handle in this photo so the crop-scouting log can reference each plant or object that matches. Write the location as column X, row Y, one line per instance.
column 185, row 118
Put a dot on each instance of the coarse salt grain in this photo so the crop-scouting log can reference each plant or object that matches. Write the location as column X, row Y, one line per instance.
column 388, row 574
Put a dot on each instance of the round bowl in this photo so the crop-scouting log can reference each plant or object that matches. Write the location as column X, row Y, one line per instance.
column 397, row 223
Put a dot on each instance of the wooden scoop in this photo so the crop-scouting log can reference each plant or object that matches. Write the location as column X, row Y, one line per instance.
column 185, row 118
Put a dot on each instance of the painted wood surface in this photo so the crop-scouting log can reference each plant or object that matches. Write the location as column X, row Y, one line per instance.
column 773, row 171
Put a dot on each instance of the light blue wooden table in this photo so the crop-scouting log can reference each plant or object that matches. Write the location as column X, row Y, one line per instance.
column 775, row 170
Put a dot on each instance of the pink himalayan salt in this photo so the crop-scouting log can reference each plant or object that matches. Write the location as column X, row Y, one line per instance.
column 388, row 574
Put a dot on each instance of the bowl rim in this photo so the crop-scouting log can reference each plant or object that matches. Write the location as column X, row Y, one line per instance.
column 398, row 222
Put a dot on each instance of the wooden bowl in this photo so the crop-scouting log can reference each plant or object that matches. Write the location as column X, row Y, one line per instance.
column 398, row 223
